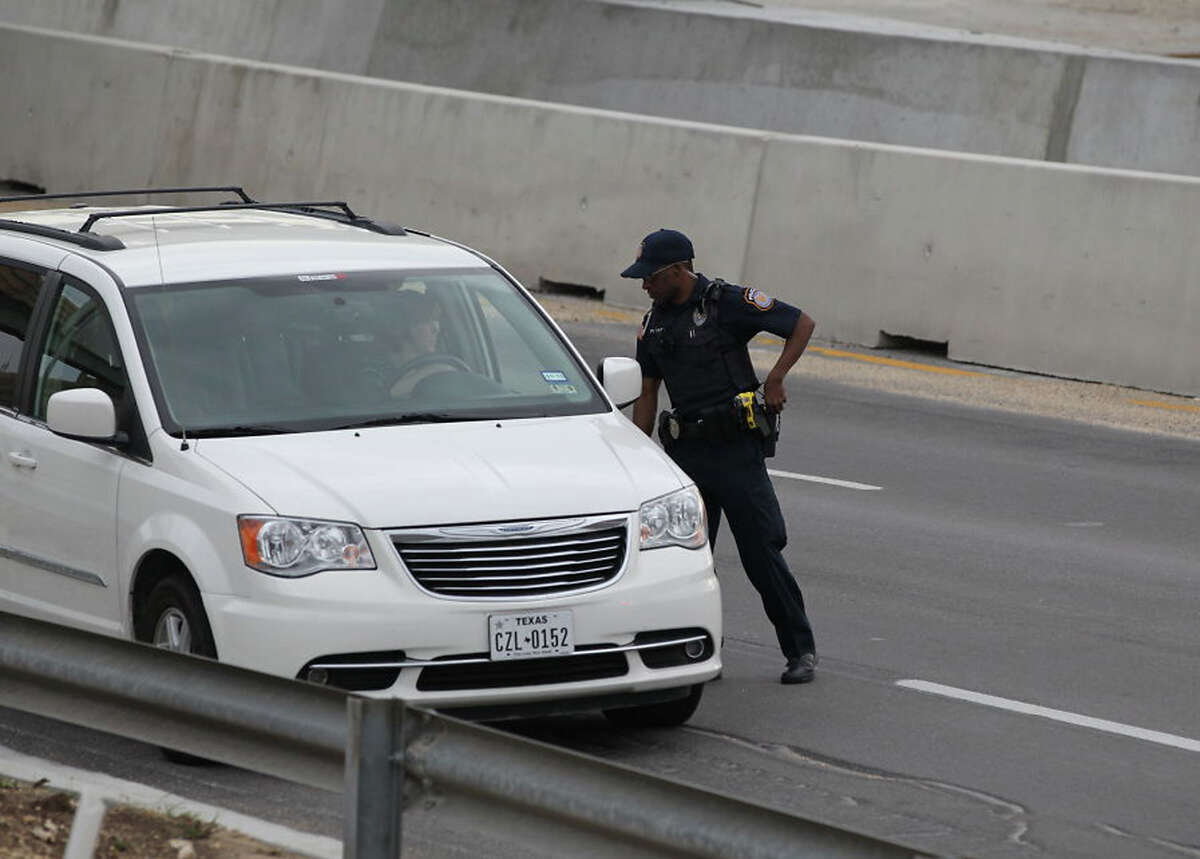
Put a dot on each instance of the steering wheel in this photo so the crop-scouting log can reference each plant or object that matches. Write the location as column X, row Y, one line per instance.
column 427, row 365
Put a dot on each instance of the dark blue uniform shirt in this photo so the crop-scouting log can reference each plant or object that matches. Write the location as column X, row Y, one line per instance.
column 699, row 348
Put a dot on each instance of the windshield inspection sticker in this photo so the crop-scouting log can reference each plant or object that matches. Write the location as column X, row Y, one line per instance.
column 307, row 278
column 563, row 389
column 554, row 376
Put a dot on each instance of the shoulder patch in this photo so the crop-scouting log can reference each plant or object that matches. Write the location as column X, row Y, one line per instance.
column 758, row 298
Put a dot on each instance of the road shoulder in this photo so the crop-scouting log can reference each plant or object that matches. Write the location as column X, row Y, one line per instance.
column 921, row 375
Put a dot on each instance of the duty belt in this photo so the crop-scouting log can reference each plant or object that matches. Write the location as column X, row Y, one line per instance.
column 744, row 413
column 678, row 429
column 718, row 423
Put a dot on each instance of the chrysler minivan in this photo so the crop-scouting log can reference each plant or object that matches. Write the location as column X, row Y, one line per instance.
column 301, row 441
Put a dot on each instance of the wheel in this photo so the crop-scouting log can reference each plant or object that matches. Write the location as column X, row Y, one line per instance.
column 668, row 714
column 173, row 618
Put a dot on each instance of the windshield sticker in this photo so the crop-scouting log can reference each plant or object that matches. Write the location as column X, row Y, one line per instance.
column 554, row 376
column 308, row 278
column 563, row 389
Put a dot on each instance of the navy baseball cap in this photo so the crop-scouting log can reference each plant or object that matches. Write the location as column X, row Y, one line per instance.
column 659, row 250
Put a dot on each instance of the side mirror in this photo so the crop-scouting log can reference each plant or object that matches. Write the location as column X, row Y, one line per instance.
column 622, row 380
column 83, row 413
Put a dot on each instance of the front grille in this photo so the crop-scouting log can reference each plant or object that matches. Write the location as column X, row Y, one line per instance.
column 523, row 672
column 516, row 567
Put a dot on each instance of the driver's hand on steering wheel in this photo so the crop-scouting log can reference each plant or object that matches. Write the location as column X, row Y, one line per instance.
column 412, row 372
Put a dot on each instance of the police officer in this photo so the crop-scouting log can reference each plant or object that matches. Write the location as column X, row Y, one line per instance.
column 695, row 338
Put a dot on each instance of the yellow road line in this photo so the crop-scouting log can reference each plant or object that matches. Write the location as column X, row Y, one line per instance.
column 617, row 315
column 892, row 362
column 1157, row 404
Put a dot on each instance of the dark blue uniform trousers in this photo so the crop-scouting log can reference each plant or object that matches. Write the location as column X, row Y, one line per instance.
column 732, row 477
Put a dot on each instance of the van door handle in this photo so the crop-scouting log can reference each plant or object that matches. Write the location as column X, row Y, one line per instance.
column 22, row 460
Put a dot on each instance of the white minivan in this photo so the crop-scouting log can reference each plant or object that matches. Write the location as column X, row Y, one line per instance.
column 301, row 441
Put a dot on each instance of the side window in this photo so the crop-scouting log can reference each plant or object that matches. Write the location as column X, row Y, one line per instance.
column 80, row 351
column 18, row 293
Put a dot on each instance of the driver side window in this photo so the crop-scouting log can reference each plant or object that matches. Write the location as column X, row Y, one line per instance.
column 81, row 350
column 18, row 293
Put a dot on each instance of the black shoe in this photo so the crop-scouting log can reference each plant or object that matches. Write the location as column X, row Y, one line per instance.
column 801, row 669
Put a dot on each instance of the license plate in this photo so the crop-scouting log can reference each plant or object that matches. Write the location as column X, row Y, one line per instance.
column 530, row 634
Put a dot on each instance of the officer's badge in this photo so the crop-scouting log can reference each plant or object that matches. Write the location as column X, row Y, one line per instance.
column 699, row 316
column 758, row 298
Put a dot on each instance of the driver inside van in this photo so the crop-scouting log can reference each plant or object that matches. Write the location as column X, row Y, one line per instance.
column 414, row 343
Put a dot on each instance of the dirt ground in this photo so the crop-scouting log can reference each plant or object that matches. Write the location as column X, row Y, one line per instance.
column 129, row 832
column 35, row 823
column 1164, row 27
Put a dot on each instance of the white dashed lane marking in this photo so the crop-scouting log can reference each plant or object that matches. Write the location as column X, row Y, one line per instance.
column 811, row 478
column 1172, row 740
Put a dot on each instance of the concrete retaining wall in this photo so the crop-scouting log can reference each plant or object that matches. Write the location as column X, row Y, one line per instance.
column 335, row 35
column 1075, row 272
column 985, row 96
column 1058, row 269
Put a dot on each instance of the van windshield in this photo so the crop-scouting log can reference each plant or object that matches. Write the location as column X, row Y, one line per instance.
column 347, row 349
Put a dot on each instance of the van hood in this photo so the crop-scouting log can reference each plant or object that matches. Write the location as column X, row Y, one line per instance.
column 457, row 473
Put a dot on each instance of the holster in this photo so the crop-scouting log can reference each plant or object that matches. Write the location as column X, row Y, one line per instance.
column 664, row 429
column 753, row 416
column 775, row 420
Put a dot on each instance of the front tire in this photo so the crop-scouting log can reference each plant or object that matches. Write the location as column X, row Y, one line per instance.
column 173, row 618
column 668, row 714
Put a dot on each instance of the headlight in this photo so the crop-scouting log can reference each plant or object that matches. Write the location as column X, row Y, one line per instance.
column 674, row 520
column 301, row 547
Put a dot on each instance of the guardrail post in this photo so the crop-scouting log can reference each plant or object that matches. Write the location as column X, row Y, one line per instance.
column 374, row 797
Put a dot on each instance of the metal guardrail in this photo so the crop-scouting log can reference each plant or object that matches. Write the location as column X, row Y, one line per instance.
column 392, row 761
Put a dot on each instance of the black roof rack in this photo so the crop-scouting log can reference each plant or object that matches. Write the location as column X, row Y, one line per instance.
column 313, row 209
column 333, row 210
column 139, row 192
column 91, row 241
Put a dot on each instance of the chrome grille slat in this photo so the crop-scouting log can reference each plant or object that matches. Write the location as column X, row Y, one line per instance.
column 514, row 566
column 490, row 558
column 549, row 566
column 466, row 546
column 530, row 587
column 556, row 575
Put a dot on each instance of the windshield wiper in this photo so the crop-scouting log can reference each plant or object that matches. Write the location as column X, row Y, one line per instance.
column 238, row 431
column 415, row 418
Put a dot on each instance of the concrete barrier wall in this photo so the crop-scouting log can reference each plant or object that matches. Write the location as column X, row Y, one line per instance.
column 1058, row 269
column 984, row 96
column 335, row 35
column 1075, row 272
column 556, row 192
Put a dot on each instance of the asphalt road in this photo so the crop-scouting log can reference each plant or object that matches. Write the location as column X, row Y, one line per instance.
column 1050, row 565
column 1047, row 562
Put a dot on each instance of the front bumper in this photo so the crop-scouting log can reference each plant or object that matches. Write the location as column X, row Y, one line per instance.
column 382, row 617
